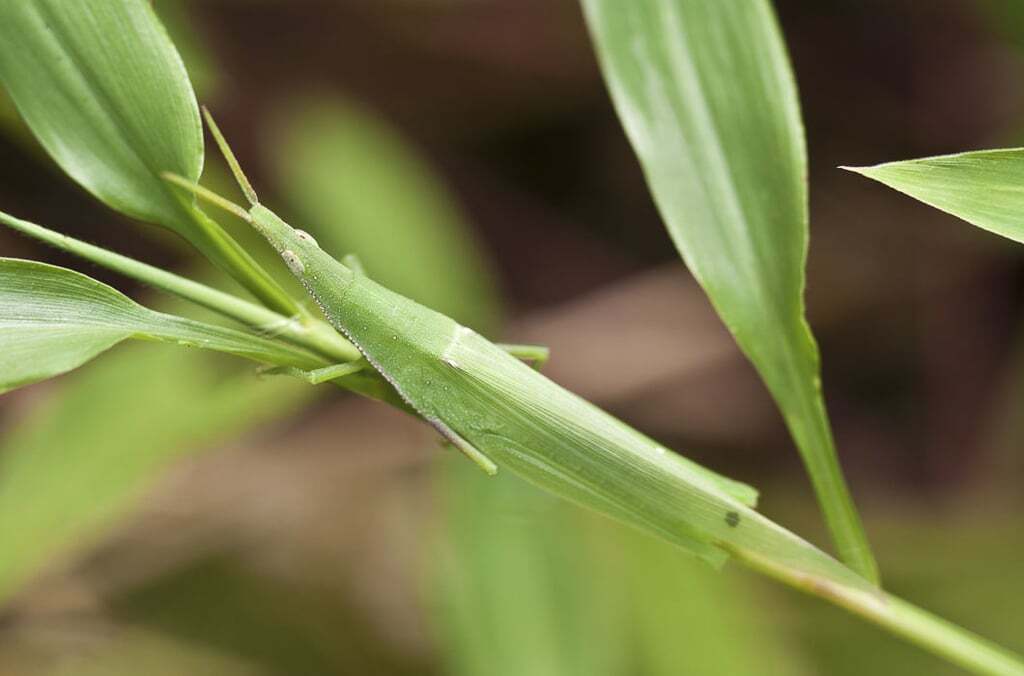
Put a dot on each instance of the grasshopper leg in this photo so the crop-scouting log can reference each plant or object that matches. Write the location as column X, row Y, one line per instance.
column 321, row 375
column 536, row 355
column 468, row 449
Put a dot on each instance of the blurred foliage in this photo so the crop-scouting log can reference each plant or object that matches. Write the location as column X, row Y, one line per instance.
column 351, row 176
column 286, row 627
column 521, row 589
column 85, row 455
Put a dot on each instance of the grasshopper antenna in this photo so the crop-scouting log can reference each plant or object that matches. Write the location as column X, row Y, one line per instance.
column 207, row 195
column 229, row 156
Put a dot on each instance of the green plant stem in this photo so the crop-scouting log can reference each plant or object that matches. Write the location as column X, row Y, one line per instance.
column 898, row 617
column 312, row 333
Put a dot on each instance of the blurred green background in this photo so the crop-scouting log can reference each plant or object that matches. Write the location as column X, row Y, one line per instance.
column 168, row 511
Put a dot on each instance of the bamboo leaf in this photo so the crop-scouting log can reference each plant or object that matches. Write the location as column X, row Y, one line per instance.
column 106, row 94
column 706, row 96
column 982, row 187
column 53, row 320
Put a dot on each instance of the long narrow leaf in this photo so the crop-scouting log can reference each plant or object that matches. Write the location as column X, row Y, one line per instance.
column 106, row 94
column 53, row 320
column 982, row 187
column 705, row 93
column 104, row 90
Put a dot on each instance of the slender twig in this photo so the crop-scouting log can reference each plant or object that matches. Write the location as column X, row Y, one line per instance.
column 939, row 636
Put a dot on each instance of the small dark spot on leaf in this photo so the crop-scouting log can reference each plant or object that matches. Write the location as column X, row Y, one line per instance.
column 733, row 519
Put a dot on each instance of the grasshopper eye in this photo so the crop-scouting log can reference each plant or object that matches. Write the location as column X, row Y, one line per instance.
column 293, row 262
column 306, row 237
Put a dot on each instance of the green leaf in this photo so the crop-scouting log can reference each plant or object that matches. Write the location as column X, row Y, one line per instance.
column 706, row 96
column 985, row 188
column 53, row 320
column 106, row 94
column 104, row 90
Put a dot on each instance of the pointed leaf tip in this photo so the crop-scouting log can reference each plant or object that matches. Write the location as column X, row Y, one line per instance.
column 980, row 187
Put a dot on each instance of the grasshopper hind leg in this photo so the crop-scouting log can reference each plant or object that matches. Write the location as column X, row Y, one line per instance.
column 535, row 355
column 467, row 449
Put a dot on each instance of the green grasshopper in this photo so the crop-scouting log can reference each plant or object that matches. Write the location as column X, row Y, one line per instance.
column 498, row 410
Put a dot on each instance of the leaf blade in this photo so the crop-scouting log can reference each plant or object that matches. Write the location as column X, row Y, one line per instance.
column 981, row 187
column 105, row 92
column 109, row 131
column 707, row 98
column 53, row 320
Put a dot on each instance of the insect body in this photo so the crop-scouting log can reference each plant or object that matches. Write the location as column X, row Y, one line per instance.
column 501, row 412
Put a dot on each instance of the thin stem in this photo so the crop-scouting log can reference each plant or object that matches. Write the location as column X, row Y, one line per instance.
column 317, row 335
column 899, row 617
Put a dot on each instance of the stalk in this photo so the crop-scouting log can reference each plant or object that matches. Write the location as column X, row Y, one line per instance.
column 315, row 335
column 934, row 634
